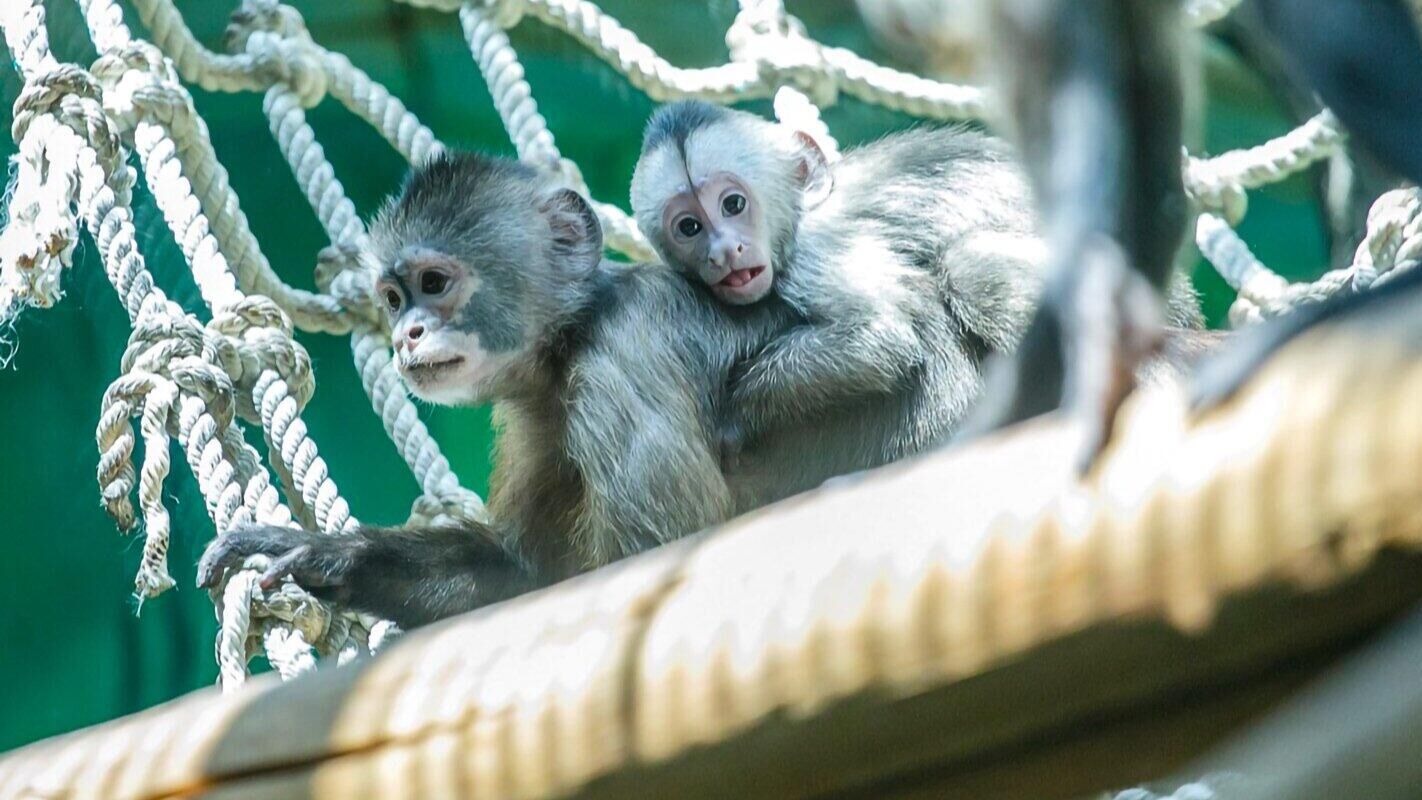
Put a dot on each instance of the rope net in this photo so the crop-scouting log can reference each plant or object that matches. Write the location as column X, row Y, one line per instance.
column 75, row 129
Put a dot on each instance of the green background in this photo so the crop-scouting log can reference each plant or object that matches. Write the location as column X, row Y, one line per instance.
column 73, row 649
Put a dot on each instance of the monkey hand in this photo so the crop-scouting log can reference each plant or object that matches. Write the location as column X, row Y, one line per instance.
column 321, row 563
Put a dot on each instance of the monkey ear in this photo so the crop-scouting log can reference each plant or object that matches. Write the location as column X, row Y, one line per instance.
column 816, row 180
column 577, row 234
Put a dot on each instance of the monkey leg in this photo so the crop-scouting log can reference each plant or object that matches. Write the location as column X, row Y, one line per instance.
column 1093, row 334
column 1096, row 101
column 411, row 576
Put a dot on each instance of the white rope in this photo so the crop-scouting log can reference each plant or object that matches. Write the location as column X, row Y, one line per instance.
column 1393, row 244
column 64, row 98
column 186, row 379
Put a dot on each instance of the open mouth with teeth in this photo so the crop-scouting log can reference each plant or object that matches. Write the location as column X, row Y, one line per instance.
column 427, row 370
column 740, row 277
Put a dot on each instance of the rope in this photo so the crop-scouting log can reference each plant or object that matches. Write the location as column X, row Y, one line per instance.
column 194, row 381
column 1392, row 245
column 172, row 361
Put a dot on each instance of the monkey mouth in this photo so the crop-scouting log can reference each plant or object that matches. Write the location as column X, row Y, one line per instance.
column 737, row 278
column 431, row 369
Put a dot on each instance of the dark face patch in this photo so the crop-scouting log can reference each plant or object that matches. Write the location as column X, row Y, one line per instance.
column 492, row 311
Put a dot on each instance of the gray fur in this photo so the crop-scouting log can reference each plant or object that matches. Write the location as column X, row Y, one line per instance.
column 479, row 208
column 675, row 121
column 612, row 410
column 606, row 418
column 887, row 354
column 492, row 316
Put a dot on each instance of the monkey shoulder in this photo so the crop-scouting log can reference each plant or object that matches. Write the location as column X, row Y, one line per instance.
column 842, row 266
column 927, row 190
column 939, row 141
column 652, row 325
column 924, row 152
column 645, row 296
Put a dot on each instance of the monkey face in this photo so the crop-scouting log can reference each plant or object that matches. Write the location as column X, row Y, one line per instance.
column 716, row 230
column 434, row 305
column 719, row 193
column 480, row 263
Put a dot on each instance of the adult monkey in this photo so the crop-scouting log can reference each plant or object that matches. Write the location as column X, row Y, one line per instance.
column 1093, row 89
column 494, row 284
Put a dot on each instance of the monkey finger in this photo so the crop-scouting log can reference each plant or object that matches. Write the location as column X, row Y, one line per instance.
column 1114, row 326
column 1095, row 436
column 213, row 565
column 1103, row 376
column 229, row 549
column 283, row 566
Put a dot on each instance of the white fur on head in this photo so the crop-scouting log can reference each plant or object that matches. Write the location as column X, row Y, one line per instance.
column 766, row 156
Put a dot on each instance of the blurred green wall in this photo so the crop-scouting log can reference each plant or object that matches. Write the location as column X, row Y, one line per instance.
column 73, row 649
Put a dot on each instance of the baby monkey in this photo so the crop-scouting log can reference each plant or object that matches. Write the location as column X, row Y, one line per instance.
column 906, row 264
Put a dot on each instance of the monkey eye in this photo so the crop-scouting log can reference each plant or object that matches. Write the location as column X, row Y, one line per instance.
column 688, row 226
column 733, row 204
column 433, row 282
column 392, row 299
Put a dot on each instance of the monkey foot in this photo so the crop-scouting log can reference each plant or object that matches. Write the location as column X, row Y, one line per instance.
column 1114, row 325
column 1081, row 353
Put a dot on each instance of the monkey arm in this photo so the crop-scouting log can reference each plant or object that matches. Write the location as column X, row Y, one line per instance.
column 639, row 431
column 411, row 576
column 815, row 367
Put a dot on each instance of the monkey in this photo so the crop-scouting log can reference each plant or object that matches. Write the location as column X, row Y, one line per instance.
column 1093, row 90
column 610, row 386
column 906, row 264
column 607, row 380
column 496, row 290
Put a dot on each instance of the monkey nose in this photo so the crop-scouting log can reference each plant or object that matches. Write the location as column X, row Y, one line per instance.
column 411, row 337
column 725, row 255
